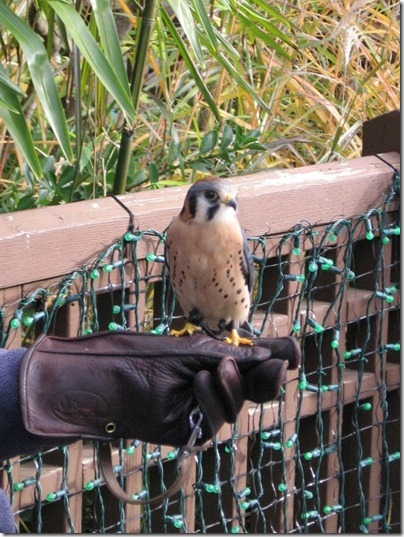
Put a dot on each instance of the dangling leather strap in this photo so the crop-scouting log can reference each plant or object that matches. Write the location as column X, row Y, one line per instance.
column 114, row 487
column 184, row 466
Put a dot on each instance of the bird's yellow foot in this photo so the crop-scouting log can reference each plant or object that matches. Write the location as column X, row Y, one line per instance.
column 189, row 329
column 237, row 340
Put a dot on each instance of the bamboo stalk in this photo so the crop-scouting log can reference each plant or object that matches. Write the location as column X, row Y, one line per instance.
column 136, row 88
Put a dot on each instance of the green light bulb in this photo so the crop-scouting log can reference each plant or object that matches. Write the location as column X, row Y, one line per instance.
column 369, row 235
column 28, row 321
column 15, row 323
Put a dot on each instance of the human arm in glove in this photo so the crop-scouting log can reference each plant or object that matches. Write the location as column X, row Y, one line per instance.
column 134, row 385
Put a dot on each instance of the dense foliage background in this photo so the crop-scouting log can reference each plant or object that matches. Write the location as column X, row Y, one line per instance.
column 99, row 96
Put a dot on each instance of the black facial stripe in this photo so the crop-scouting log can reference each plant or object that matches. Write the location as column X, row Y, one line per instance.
column 213, row 210
column 192, row 205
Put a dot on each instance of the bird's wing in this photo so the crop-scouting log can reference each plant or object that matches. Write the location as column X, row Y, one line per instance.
column 248, row 263
column 166, row 257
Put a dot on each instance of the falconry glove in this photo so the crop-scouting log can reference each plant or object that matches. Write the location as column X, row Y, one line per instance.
column 157, row 389
column 136, row 385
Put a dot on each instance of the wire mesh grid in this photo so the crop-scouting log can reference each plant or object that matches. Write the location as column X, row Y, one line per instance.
column 322, row 458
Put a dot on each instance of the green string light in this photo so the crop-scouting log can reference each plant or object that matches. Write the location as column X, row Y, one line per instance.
column 141, row 495
column 21, row 485
column 296, row 327
column 328, row 509
column 250, row 504
column 297, row 245
column 53, row 496
column 335, row 341
column 292, row 441
column 272, row 445
column 385, row 296
column 115, row 326
column 394, row 456
column 175, row 520
column 313, row 267
column 94, row 274
column 369, row 229
column 172, row 455
column 91, row 485
column 317, row 327
column 312, row 454
column 309, row 514
column 130, row 450
column 244, row 492
column 366, row 462
column 352, row 353
column 375, row 518
column 210, row 488
column 159, row 330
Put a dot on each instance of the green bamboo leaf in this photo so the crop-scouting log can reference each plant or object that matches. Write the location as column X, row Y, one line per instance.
column 7, row 82
column 119, row 89
column 203, row 18
column 41, row 74
column 209, row 142
column 189, row 63
column 242, row 82
column 251, row 19
column 272, row 12
column 265, row 37
column 237, row 77
column 184, row 15
column 109, row 37
column 8, row 106
column 227, row 137
column 14, row 120
column 223, row 44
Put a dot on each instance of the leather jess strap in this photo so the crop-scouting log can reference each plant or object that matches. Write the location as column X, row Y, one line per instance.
column 112, row 483
column 183, row 467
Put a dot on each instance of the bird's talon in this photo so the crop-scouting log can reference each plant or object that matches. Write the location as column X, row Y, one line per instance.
column 237, row 340
column 188, row 329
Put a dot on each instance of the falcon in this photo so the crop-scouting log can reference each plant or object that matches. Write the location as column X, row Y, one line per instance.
column 210, row 263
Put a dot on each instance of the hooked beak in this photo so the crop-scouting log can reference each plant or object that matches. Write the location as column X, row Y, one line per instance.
column 230, row 201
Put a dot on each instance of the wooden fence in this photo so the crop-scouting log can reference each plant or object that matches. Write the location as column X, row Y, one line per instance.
column 40, row 247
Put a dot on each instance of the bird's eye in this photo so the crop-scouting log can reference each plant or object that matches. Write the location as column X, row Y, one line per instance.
column 210, row 195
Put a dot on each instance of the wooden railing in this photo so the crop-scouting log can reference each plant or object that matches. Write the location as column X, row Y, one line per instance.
column 39, row 247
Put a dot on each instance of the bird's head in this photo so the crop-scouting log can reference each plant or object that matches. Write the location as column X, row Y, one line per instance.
column 210, row 199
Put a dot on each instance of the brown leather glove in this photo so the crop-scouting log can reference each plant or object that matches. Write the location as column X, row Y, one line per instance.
column 135, row 385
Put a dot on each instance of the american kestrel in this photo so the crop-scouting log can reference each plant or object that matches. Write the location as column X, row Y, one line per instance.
column 210, row 262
